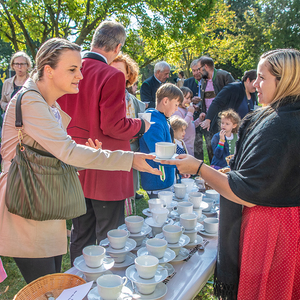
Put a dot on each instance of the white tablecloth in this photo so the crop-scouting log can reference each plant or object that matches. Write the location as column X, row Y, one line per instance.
column 190, row 276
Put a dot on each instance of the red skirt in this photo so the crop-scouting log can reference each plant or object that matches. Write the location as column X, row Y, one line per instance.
column 270, row 254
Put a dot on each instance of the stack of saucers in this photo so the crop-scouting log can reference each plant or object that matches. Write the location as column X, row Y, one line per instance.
column 138, row 230
column 173, row 234
column 147, row 276
column 93, row 263
column 119, row 247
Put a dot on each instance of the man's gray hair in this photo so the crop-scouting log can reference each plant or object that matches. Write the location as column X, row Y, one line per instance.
column 161, row 66
column 108, row 36
column 194, row 62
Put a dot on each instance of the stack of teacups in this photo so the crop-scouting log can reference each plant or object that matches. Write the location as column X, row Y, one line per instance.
column 213, row 195
column 189, row 183
column 93, row 262
column 182, row 208
column 196, row 199
column 167, row 197
column 137, row 228
column 110, row 286
column 179, row 190
column 159, row 215
column 175, row 237
column 117, row 239
column 147, row 273
column 200, row 184
column 189, row 222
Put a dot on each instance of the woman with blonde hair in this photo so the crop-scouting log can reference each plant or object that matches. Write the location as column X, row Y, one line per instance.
column 259, row 232
column 130, row 68
column 20, row 62
column 37, row 246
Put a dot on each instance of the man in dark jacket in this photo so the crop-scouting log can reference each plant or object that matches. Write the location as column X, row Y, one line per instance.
column 239, row 96
column 151, row 85
column 212, row 82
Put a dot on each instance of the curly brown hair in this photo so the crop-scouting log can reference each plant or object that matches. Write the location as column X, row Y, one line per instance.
column 131, row 66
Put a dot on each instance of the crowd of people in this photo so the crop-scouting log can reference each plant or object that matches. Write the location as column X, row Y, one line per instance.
column 84, row 111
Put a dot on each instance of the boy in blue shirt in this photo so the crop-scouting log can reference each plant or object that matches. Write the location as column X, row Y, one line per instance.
column 168, row 97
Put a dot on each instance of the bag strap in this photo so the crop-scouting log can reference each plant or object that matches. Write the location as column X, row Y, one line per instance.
column 19, row 121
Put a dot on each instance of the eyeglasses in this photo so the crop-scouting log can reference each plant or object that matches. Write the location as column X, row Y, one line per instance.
column 19, row 64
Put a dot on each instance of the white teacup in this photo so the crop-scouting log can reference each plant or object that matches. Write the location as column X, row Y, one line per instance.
column 165, row 150
column 118, row 257
column 156, row 203
column 192, row 235
column 179, row 190
column 160, row 215
column 93, row 255
column 198, row 211
column 211, row 225
column 166, row 196
column 146, row 266
column 172, row 233
column 200, row 182
column 145, row 288
column 145, row 116
column 156, row 247
column 211, row 202
column 185, row 207
column 195, row 198
column 213, row 195
column 189, row 183
column 110, row 286
column 188, row 221
column 117, row 238
column 134, row 223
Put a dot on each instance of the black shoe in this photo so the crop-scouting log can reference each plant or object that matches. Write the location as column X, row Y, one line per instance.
column 138, row 196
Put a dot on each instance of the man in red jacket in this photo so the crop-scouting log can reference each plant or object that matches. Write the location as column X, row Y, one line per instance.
column 98, row 111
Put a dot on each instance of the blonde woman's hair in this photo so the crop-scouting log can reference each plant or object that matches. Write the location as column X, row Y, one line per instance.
column 233, row 117
column 177, row 122
column 284, row 64
column 49, row 54
column 21, row 54
column 131, row 66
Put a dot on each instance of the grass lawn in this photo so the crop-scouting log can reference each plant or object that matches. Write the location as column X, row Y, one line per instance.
column 14, row 281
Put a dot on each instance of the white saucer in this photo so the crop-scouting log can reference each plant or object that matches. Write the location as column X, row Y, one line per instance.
column 129, row 260
column 158, row 159
column 160, row 275
column 80, row 265
column 196, row 229
column 147, row 212
column 94, row 295
column 146, row 229
column 183, row 241
column 174, row 215
column 160, row 290
column 210, row 214
column 150, row 221
column 169, row 268
column 203, row 205
column 169, row 255
column 203, row 232
column 198, row 241
column 130, row 245
column 185, row 198
column 183, row 254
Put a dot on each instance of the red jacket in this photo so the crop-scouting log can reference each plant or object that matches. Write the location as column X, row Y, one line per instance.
column 98, row 111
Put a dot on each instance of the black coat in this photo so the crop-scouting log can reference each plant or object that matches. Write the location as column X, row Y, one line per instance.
column 231, row 96
column 148, row 90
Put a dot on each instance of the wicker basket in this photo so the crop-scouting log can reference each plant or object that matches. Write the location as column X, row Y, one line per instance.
column 54, row 283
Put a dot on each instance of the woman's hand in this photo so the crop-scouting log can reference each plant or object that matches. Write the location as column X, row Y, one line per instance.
column 139, row 163
column 91, row 144
column 186, row 164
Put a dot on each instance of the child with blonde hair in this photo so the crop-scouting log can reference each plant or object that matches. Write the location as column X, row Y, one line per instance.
column 223, row 142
